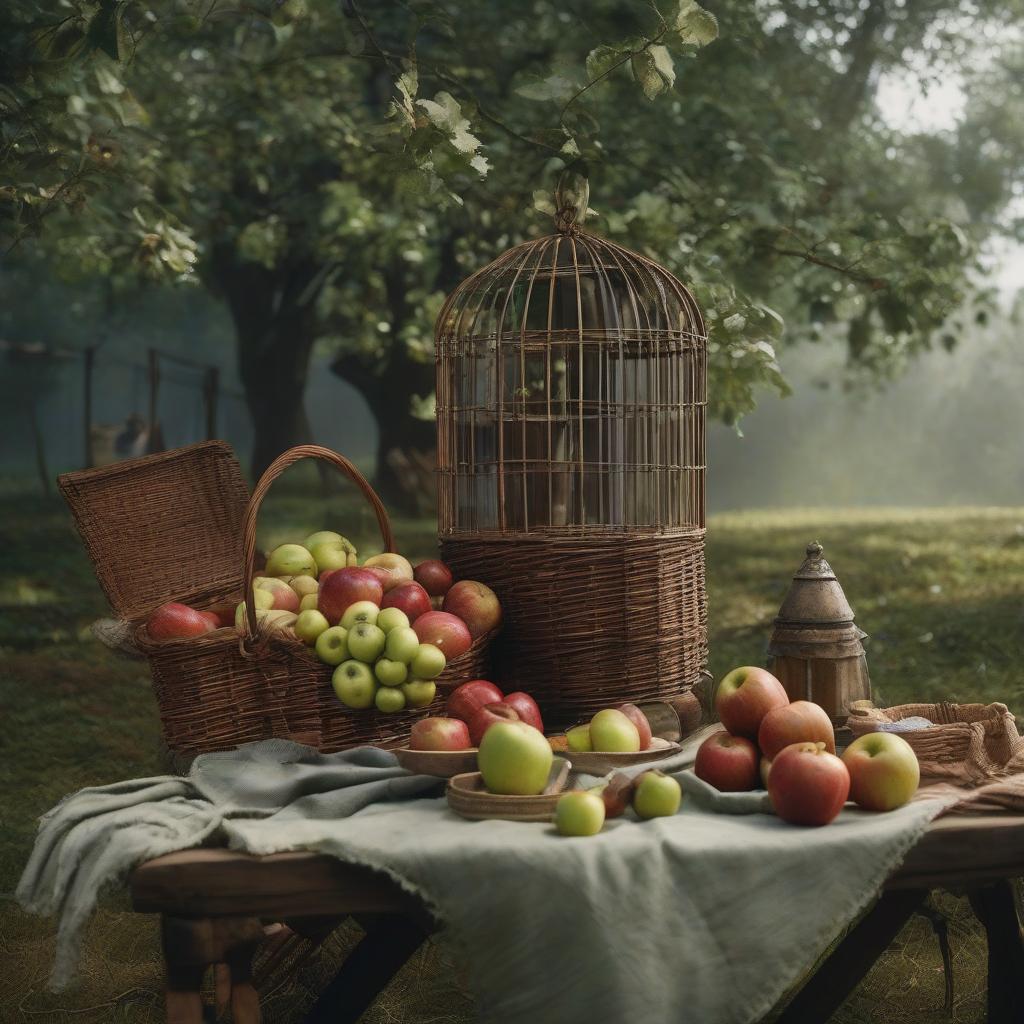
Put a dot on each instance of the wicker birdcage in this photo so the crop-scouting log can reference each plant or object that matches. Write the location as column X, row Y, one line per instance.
column 571, row 394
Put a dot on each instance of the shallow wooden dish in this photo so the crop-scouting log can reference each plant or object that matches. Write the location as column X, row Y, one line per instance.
column 468, row 797
column 596, row 762
column 442, row 764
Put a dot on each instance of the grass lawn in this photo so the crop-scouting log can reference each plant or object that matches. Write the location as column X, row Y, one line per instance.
column 938, row 591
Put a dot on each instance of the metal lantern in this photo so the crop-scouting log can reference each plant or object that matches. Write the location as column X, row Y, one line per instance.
column 816, row 649
column 571, row 393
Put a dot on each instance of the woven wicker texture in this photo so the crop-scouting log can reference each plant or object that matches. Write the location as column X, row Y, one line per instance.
column 970, row 744
column 571, row 394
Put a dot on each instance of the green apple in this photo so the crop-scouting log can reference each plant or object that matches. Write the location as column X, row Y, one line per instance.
column 612, row 732
column 304, row 585
column 332, row 645
column 361, row 611
column 578, row 739
column 330, row 537
column 309, row 625
column 514, row 759
column 402, row 644
column 419, row 693
column 389, row 672
column 354, row 684
column 333, row 554
column 428, row 662
column 263, row 599
column 657, row 795
column 392, row 618
column 579, row 813
column 309, row 601
column 290, row 560
column 366, row 642
column 390, row 699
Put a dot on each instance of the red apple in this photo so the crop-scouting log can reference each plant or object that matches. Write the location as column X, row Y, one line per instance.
column 477, row 605
column 745, row 696
column 396, row 569
column 174, row 621
column 225, row 613
column 884, row 772
column 639, row 719
column 807, row 784
column 468, row 698
column 341, row 587
column 434, row 576
column 285, row 598
column 439, row 734
column 526, row 708
column 799, row 722
column 729, row 763
column 212, row 618
column 483, row 718
column 444, row 631
column 410, row 597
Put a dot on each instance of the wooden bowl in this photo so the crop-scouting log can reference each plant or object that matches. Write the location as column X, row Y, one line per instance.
column 596, row 762
column 468, row 796
column 442, row 764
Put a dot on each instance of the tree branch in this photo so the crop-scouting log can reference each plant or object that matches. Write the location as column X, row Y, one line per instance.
column 808, row 256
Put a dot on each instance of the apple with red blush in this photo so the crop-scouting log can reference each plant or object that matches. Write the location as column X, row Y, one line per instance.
column 639, row 719
column 803, row 721
column 525, row 707
column 465, row 700
column 343, row 587
column 727, row 762
column 744, row 696
column 439, row 733
column 476, row 604
column 448, row 632
column 410, row 598
column 807, row 784
column 175, row 621
column 433, row 576
column 490, row 714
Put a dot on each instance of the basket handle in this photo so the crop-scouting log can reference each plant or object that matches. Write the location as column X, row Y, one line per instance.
column 272, row 472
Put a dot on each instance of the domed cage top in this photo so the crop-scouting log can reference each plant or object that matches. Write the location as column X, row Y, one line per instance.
column 571, row 395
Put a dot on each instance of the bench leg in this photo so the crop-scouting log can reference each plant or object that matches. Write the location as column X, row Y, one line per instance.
column 994, row 907
column 389, row 942
column 840, row 974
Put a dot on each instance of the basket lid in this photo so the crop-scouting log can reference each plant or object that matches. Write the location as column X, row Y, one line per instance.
column 815, row 596
column 165, row 527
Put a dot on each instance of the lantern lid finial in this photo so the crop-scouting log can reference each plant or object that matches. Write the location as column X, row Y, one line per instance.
column 572, row 197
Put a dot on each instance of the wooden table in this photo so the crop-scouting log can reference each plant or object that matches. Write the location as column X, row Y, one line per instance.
column 214, row 904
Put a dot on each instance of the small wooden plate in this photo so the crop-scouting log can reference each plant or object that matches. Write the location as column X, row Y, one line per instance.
column 442, row 764
column 596, row 762
column 468, row 796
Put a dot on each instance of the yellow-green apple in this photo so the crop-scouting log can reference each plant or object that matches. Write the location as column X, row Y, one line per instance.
column 763, row 770
column 175, row 621
column 309, row 625
column 639, row 719
column 290, row 560
column 396, row 569
column 344, row 587
column 410, row 597
column 434, row 577
column 807, row 784
column 389, row 699
column 476, row 604
column 283, row 595
column 579, row 813
column 361, row 611
column 514, row 759
column 390, row 673
column 428, row 662
column 657, row 795
column 262, row 599
column 392, row 618
column 526, row 708
column 439, row 733
column 800, row 722
column 402, row 644
column 578, row 739
column 468, row 698
column 484, row 718
column 419, row 692
column 727, row 762
column 332, row 645
column 448, row 632
column 354, row 684
column 324, row 536
column 303, row 585
column 612, row 732
column 309, row 601
column 884, row 771
column 366, row 642
column 745, row 696
column 332, row 554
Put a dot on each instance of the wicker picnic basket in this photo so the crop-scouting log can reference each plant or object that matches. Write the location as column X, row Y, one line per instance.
column 180, row 526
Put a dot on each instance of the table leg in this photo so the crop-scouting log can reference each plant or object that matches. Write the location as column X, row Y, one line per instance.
column 839, row 975
column 995, row 908
column 389, row 942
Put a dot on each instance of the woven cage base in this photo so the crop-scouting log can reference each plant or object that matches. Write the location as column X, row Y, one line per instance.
column 592, row 620
column 969, row 744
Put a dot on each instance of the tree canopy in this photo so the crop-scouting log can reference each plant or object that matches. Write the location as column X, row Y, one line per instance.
column 332, row 170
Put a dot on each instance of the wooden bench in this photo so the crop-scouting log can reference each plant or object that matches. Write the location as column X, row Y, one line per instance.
column 214, row 904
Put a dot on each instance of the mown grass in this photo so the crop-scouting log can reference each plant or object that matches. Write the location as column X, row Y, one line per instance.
column 939, row 592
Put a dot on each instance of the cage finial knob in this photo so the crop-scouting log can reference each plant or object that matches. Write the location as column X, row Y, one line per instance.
column 572, row 196
column 814, row 550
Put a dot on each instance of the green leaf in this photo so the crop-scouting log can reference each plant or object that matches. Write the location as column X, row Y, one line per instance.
column 602, row 59
column 695, row 26
column 650, row 70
